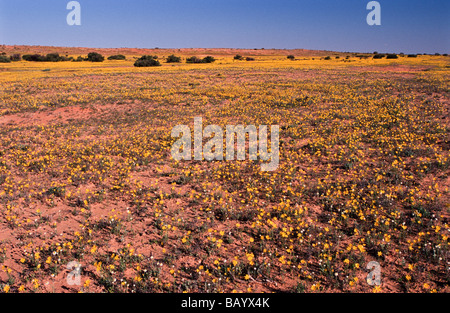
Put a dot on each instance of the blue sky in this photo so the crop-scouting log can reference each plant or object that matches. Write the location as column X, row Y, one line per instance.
column 414, row 26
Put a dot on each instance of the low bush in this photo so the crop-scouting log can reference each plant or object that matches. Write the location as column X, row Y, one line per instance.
column 117, row 57
column 173, row 59
column 95, row 57
column 194, row 59
column 147, row 61
column 392, row 56
column 378, row 56
column 34, row 58
column 54, row 57
column 208, row 59
column 16, row 57
column 5, row 59
column 51, row 57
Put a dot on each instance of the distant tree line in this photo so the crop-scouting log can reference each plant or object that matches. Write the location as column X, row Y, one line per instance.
column 144, row 61
column 149, row 60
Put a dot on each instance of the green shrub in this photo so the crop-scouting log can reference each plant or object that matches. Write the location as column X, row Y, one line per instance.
column 249, row 59
column 392, row 56
column 327, row 58
column 173, row 59
column 208, row 59
column 238, row 57
column 412, row 55
column 16, row 57
column 34, row 58
column 5, row 59
column 95, row 57
column 53, row 57
column 117, row 57
column 193, row 60
column 291, row 57
column 147, row 61
column 378, row 56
